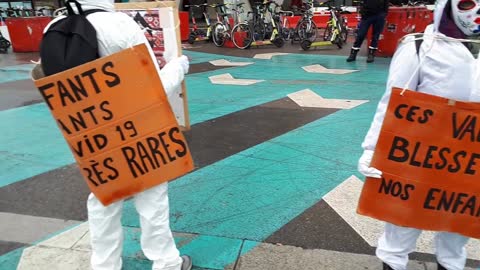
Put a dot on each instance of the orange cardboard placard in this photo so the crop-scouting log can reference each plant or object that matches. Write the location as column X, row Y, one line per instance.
column 429, row 153
column 115, row 116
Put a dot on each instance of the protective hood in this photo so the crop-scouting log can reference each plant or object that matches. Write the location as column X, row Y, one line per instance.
column 437, row 13
column 107, row 5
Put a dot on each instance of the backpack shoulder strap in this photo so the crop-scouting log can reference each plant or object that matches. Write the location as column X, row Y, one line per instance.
column 418, row 42
column 79, row 8
column 91, row 11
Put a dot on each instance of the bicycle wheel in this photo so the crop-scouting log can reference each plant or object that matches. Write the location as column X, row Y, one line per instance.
column 258, row 31
column 343, row 30
column 5, row 44
column 285, row 31
column 278, row 42
column 219, row 34
column 191, row 38
column 343, row 35
column 268, row 30
column 307, row 31
column 242, row 36
column 306, row 44
column 338, row 41
column 327, row 34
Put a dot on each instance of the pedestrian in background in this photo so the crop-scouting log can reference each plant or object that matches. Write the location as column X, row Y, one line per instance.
column 373, row 14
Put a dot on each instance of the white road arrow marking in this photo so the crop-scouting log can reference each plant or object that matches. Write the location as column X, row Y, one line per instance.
column 344, row 200
column 20, row 230
column 308, row 98
column 46, row 258
column 267, row 56
column 226, row 63
column 68, row 250
column 227, row 78
column 322, row 69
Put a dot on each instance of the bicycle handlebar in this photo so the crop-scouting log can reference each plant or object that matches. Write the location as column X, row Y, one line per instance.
column 269, row 2
column 286, row 12
column 201, row 5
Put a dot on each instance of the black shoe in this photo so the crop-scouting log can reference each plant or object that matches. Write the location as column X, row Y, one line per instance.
column 353, row 55
column 187, row 262
column 440, row 267
column 371, row 55
column 387, row 267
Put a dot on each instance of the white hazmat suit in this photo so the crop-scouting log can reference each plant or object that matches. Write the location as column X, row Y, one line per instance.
column 117, row 31
column 443, row 67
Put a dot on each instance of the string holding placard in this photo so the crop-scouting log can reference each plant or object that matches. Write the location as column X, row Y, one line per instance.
column 420, row 62
column 434, row 38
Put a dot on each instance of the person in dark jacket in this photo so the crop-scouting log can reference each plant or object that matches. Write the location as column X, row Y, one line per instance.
column 373, row 14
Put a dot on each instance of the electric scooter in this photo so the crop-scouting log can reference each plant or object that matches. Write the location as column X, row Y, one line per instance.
column 196, row 33
column 335, row 34
column 275, row 35
column 4, row 44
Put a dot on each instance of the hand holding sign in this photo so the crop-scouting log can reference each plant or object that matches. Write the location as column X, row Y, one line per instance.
column 364, row 165
column 183, row 62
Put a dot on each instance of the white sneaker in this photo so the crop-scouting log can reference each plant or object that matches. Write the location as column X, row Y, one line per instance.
column 187, row 262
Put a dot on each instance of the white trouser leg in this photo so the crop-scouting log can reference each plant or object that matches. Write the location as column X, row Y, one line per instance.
column 106, row 234
column 450, row 250
column 157, row 240
column 395, row 244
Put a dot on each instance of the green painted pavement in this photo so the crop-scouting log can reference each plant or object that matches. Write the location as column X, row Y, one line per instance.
column 10, row 260
column 208, row 252
column 31, row 144
column 249, row 195
column 254, row 193
column 200, row 57
column 15, row 73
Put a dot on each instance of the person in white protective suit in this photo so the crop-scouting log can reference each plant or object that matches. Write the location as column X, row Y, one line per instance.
column 117, row 31
column 446, row 65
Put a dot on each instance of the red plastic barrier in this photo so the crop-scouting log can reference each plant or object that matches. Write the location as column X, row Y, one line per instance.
column 352, row 19
column 321, row 20
column 292, row 21
column 401, row 21
column 229, row 42
column 184, row 25
column 26, row 33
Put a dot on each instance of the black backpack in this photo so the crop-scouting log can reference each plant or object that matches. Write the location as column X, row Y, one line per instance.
column 69, row 42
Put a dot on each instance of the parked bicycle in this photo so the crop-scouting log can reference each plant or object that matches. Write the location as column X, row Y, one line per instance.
column 198, row 34
column 4, row 44
column 240, row 33
column 272, row 29
column 286, row 31
column 257, row 21
column 306, row 27
column 336, row 32
column 60, row 12
column 336, row 18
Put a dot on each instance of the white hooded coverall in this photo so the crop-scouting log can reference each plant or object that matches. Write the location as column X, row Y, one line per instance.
column 117, row 31
column 447, row 69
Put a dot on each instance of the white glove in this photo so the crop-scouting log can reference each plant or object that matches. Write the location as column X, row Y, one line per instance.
column 172, row 74
column 181, row 61
column 364, row 165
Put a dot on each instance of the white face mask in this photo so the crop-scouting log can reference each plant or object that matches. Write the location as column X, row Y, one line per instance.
column 465, row 15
